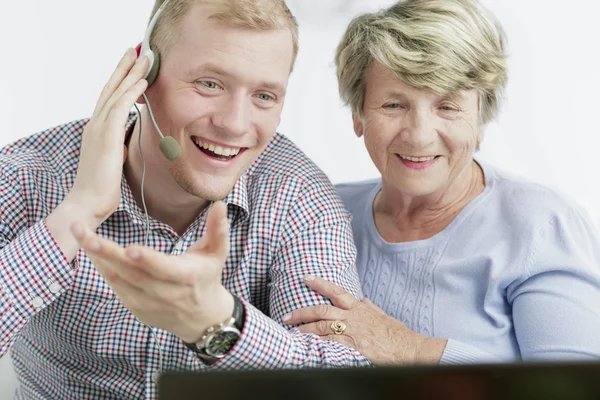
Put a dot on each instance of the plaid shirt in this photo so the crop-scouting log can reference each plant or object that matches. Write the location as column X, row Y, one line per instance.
column 70, row 338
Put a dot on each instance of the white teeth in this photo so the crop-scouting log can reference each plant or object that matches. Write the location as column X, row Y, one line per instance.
column 417, row 159
column 222, row 151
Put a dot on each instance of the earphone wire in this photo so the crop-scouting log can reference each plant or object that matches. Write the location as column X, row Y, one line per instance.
column 147, row 218
column 153, row 122
column 147, row 222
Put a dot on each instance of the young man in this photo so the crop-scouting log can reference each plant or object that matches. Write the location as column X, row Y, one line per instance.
column 92, row 312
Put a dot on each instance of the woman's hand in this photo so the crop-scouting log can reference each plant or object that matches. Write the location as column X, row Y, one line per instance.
column 364, row 326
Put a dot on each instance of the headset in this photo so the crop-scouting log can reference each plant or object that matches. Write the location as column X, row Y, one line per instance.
column 168, row 145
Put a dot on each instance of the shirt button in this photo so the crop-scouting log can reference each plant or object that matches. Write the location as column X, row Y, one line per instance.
column 38, row 302
column 177, row 248
column 55, row 288
column 155, row 376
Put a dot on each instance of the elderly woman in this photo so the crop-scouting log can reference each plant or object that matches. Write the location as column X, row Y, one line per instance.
column 463, row 262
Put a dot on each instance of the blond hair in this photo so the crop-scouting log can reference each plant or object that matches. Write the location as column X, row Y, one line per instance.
column 254, row 14
column 438, row 45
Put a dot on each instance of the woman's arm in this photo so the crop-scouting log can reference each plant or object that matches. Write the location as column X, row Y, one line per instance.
column 556, row 306
column 381, row 338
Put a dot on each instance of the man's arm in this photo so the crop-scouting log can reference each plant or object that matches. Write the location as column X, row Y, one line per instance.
column 35, row 260
column 34, row 271
column 318, row 241
column 184, row 295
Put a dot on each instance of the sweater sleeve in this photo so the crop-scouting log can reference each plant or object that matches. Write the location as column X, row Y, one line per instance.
column 457, row 352
column 556, row 309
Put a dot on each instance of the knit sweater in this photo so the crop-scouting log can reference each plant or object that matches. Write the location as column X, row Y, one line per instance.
column 515, row 275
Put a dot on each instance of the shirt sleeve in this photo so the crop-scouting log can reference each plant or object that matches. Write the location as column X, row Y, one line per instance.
column 318, row 241
column 556, row 309
column 33, row 269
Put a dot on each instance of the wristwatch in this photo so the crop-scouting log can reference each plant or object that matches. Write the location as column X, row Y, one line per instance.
column 219, row 339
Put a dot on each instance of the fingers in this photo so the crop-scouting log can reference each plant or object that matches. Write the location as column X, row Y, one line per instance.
column 216, row 240
column 120, row 109
column 324, row 331
column 203, row 260
column 162, row 267
column 321, row 328
column 93, row 243
column 123, row 96
column 137, row 265
column 115, row 80
column 102, row 252
column 335, row 293
column 313, row 314
column 217, row 230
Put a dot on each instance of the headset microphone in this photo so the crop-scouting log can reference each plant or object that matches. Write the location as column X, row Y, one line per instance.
column 170, row 148
column 167, row 145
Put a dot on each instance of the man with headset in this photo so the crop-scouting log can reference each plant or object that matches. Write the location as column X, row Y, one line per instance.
column 119, row 262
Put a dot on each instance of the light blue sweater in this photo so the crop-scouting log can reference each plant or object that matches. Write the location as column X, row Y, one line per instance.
column 515, row 276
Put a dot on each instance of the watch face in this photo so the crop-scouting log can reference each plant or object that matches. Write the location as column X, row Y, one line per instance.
column 222, row 342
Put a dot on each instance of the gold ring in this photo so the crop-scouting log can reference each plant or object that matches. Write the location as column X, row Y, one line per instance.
column 338, row 327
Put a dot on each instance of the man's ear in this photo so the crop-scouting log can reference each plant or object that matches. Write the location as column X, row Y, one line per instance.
column 358, row 125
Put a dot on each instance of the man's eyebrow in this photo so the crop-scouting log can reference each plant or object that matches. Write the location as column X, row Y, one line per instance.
column 274, row 86
column 215, row 69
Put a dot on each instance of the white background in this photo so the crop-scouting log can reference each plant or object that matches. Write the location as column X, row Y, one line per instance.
column 58, row 54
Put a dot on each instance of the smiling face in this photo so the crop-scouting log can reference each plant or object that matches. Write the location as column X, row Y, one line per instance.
column 421, row 143
column 219, row 93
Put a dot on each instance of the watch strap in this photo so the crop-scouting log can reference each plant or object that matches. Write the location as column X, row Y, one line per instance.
column 237, row 320
column 239, row 313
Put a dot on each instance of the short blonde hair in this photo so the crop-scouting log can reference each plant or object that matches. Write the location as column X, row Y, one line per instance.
column 439, row 45
column 254, row 14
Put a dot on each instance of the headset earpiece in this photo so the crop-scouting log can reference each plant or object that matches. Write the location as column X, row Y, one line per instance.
column 154, row 62
column 168, row 146
column 149, row 50
column 152, row 73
